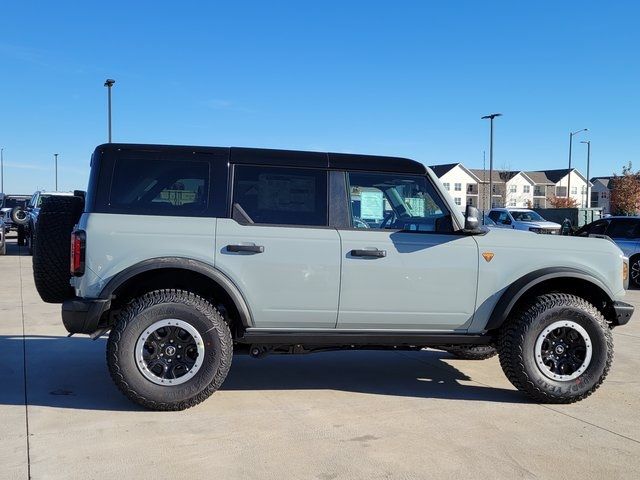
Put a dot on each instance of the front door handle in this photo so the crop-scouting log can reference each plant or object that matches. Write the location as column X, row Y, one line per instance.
column 375, row 253
column 245, row 248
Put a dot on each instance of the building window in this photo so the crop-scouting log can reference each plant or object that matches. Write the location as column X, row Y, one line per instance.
column 446, row 186
column 469, row 201
column 537, row 191
column 457, row 187
column 513, row 188
column 536, row 203
column 603, row 195
column 512, row 203
column 574, row 190
column 458, row 200
column 526, row 188
column 470, row 187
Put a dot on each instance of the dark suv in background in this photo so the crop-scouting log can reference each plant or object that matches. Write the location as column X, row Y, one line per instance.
column 625, row 232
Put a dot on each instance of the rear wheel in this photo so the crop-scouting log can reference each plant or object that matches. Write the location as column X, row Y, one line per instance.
column 169, row 350
column 21, row 236
column 557, row 350
column 472, row 352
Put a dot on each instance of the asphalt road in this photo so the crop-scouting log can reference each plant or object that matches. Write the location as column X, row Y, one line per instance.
column 346, row 415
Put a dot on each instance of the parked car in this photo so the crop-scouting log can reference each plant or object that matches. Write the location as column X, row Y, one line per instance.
column 187, row 255
column 33, row 210
column 625, row 231
column 523, row 219
column 13, row 210
column 3, row 237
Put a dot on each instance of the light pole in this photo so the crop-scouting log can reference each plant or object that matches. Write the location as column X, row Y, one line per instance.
column 1, row 170
column 588, row 142
column 570, row 145
column 109, row 83
column 491, row 117
column 55, row 160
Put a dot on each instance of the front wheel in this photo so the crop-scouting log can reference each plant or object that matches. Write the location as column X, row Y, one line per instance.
column 169, row 350
column 557, row 350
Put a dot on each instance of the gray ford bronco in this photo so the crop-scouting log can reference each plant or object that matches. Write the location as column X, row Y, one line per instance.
column 187, row 255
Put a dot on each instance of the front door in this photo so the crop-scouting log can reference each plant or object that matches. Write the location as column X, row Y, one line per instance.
column 403, row 267
column 278, row 249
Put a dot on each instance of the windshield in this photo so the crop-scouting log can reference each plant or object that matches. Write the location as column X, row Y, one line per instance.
column 526, row 216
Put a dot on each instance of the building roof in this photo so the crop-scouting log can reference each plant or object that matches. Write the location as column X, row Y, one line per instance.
column 539, row 178
column 602, row 180
column 441, row 170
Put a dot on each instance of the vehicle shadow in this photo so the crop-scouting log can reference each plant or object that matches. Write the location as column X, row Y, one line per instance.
column 72, row 373
column 13, row 250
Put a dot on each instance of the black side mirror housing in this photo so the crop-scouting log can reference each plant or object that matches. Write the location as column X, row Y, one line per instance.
column 471, row 220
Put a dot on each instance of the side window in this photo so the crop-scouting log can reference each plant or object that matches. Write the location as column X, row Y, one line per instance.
column 281, row 195
column 598, row 228
column 494, row 215
column 623, row 228
column 160, row 187
column 398, row 202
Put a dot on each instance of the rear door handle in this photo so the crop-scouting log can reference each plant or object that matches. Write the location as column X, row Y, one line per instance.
column 245, row 248
column 375, row 253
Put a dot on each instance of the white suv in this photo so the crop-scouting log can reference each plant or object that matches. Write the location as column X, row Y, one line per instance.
column 523, row 219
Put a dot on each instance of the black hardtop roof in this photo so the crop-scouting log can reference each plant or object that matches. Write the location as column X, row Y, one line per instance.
column 265, row 156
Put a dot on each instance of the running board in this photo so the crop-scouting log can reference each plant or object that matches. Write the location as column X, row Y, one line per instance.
column 338, row 338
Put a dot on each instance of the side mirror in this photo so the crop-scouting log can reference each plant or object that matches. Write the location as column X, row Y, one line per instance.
column 471, row 222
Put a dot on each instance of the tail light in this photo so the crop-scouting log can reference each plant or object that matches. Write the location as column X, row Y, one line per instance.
column 78, row 246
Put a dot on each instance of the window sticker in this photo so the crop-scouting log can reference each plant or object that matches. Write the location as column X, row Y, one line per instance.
column 416, row 206
column 371, row 205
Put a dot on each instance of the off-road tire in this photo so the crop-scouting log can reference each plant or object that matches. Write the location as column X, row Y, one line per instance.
column 634, row 267
column 21, row 236
column 517, row 341
column 19, row 216
column 52, row 246
column 160, row 305
column 472, row 352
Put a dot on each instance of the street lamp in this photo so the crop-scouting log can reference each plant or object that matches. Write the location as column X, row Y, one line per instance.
column 1, row 170
column 109, row 83
column 570, row 144
column 491, row 117
column 588, row 142
column 55, row 160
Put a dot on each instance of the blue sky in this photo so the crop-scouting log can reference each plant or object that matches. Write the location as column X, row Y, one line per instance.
column 391, row 78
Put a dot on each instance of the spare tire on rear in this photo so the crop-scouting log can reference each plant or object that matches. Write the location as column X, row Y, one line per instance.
column 19, row 216
column 51, row 273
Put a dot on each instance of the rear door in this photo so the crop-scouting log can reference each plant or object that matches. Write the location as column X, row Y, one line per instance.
column 278, row 248
column 403, row 267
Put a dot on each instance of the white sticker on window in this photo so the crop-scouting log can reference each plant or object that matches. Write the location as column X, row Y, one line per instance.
column 371, row 205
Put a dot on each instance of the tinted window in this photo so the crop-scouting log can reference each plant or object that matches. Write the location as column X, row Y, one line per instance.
column 281, row 196
column 596, row 228
column 398, row 202
column 623, row 228
column 160, row 187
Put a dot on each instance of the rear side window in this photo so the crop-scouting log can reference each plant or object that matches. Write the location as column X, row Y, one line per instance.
column 280, row 195
column 160, row 187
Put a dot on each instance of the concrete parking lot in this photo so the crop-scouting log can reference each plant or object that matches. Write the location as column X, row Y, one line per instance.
column 360, row 415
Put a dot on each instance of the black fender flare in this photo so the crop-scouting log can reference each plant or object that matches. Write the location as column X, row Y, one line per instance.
column 184, row 264
column 514, row 292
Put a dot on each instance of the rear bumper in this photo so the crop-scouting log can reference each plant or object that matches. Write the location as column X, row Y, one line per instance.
column 623, row 312
column 81, row 315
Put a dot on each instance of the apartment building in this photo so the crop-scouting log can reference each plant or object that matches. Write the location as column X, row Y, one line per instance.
column 524, row 189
